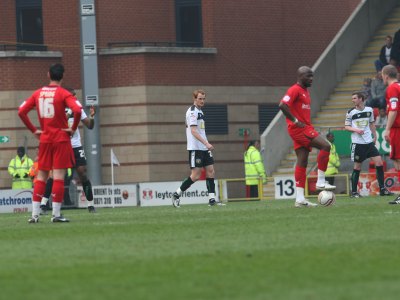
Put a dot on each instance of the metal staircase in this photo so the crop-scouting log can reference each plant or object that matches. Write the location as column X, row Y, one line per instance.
column 333, row 112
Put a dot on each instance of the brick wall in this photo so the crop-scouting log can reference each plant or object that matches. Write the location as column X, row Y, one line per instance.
column 8, row 31
column 258, row 44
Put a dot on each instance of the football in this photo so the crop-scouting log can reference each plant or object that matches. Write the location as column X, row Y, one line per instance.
column 326, row 198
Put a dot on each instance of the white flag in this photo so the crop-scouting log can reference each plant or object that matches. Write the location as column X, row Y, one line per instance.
column 114, row 159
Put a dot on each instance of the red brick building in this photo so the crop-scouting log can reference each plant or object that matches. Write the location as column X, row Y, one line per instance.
column 152, row 54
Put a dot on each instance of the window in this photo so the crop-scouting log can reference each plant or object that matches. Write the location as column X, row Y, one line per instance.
column 266, row 112
column 216, row 118
column 188, row 23
column 29, row 25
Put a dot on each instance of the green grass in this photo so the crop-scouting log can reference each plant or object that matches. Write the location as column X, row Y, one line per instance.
column 252, row 250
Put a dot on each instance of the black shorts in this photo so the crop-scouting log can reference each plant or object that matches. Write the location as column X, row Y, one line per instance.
column 200, row 159
column 360, row 152
column 80, row 158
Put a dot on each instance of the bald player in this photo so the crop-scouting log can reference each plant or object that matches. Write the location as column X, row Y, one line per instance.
column 296, row 106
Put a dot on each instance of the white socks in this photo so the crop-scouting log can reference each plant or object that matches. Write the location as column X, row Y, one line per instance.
column 300, row 194
column 321, row 178
column 35, row 209
column 56, row 209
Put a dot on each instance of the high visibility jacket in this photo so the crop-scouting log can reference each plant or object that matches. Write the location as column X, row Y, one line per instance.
column 253, row 166
column 334, row 162
column 19, row 169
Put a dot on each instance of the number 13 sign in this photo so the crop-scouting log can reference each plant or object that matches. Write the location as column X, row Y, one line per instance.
column 285, row 187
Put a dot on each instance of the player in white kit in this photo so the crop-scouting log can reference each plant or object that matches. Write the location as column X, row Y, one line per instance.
column 200, row 155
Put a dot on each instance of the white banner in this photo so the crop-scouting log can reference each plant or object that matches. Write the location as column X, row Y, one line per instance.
column 160, row 193
column 285, row 187
column 124, row 195
column 16, row 201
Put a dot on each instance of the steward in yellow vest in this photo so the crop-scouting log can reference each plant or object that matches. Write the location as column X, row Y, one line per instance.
column 254, row 167
column 19, row 168
column 334, row 160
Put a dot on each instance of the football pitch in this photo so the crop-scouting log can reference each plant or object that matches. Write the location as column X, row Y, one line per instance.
column 246, row 250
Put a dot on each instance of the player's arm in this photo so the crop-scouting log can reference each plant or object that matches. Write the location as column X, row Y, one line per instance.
column 284, row 107
column 89, row 122
column 23, row 111
column 393, row 107
column 76, row 107
column 373, row 130
column 195, row 133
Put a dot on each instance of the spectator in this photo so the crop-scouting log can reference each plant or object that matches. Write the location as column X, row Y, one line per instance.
column 385, row 55
column 378, row 90
column 381, row 119
column 254, row 168
column 334, row 160
column 366, row 90
column 395, row 53
column 19, row 168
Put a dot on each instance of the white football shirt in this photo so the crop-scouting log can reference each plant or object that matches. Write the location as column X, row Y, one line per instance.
column 76, row 138
column 360, row 119
column 195, row 117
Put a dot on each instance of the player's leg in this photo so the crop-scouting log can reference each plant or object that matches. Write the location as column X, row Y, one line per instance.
column 355, row 176
column 80, row 166
column 87, row 186
column 300, row 175
column 38, row 191
column 210, row 174
column 46, row 195
column 196, row 165
column 322, row 160
column 62, row 160
column 44, row 164
column 380, row 175
column 58, row 193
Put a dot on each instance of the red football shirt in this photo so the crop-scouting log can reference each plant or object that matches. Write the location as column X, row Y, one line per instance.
column 50, row 103
column 298, row 100
column 392, row 101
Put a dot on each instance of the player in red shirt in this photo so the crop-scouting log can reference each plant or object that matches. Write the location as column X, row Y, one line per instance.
column 296, row 106
column 55, row 150
column 392, row 131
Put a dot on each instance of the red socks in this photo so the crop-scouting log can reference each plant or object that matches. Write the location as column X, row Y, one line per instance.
column 323, row 159
column 300, row 176
column 38, row 190
column 58, row 190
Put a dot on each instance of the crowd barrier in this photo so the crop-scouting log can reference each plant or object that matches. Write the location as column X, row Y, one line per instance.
column 227, row 190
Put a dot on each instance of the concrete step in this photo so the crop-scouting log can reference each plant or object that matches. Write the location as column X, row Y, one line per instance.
column 342, row 107
column 329, row 114
column 339, row 115
column 347, row 102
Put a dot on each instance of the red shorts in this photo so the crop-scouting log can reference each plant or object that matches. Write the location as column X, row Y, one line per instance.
column 394, row 143
column 55, row 156
column 302, row 137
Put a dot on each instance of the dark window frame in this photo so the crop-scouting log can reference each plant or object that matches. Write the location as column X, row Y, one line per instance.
column 216, row 119
column 266, row 113
column 27, row 10
column 180, row 39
